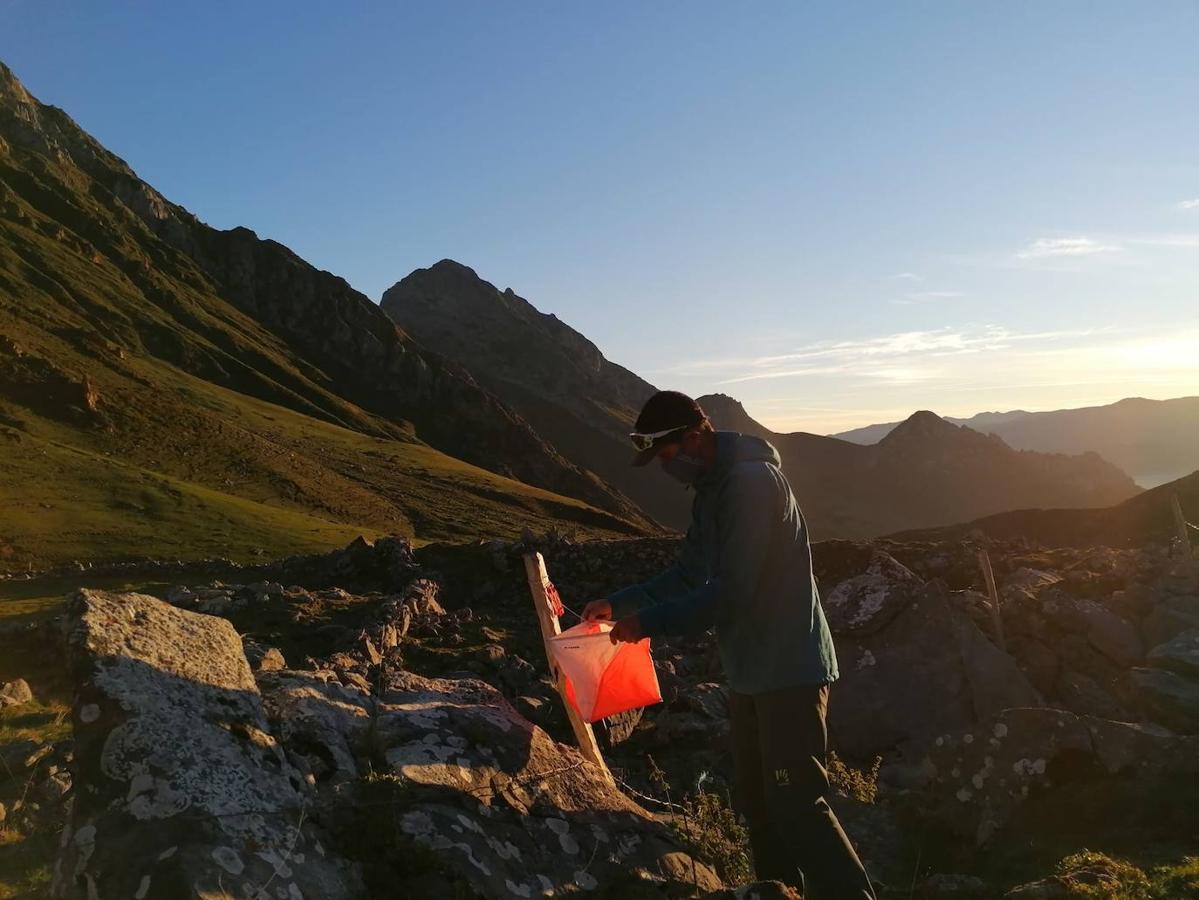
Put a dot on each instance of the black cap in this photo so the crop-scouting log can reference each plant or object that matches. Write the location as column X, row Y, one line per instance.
column 665, row 410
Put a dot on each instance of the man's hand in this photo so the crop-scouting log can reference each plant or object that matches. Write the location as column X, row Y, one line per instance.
column 597, row 611
column 627, row 630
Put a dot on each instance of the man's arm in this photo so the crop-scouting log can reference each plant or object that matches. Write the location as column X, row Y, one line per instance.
column 746, row 519
column 688, row 573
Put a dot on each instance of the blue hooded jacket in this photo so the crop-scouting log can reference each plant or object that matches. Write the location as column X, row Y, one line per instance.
column 746, row 568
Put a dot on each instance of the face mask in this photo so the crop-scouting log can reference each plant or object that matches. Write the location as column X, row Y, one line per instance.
column 683, row 468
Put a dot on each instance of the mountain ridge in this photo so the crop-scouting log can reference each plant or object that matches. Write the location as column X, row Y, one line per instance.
column 222, row 383
column 930, row 472
column 1153, row 440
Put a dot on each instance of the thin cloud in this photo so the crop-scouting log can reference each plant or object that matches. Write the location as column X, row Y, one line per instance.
column 905, row 357
column 907, row 276
column 1049, row 248
column 1189, row 204
column 927, row 297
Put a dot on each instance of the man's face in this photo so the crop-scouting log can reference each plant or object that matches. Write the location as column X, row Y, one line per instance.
column 689, row 444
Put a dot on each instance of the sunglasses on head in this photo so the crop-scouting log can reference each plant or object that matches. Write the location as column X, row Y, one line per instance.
column 643, row 441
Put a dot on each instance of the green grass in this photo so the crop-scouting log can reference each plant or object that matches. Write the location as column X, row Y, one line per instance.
column 213, row 436
column 194, row 470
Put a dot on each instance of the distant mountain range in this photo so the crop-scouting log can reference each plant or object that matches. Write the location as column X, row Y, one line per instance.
column 174, row 390
column 1149, row 516
column 928, row 472
column 1155, row 441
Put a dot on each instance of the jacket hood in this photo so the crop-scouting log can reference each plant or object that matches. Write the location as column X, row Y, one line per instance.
column 747, row 448
column 732, row 448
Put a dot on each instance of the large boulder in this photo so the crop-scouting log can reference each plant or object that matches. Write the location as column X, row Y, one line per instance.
column 929, row 671
column 866, row 602
column 1112, row 636
column 1181, row 654
column 180, row 788
column 983, row 775
column 1169, row 698
column 509, row 810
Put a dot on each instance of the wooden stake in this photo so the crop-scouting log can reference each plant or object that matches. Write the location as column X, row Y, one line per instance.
column 539, row 581
column 1180, row 523
column 984, row 562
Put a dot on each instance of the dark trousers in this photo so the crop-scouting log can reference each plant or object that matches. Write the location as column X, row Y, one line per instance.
column 780, row 747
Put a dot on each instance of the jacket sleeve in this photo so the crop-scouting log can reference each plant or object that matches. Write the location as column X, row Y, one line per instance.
column 688, row 573
column 746, row 517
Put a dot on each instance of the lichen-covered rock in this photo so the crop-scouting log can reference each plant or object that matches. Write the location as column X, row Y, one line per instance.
column 508, row 809
column 983, row 775
column 15, row 693
column 867, row 602
column 322, row 723
column 929, row 671
column 180, row 788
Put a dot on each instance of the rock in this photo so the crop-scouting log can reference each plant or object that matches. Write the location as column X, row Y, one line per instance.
column 867, row 602
column 319, row 718
column 615, row 730
column 1036, row 661
column 18, row 755
column 1168, row 698
column 1179, row 655
column 1026, row 579
column 759, row 890
column 928, row 672
column 708, row 699
column 261, row 657
column 1166, row 622
column 1082, row 694
column 183, row 596
column 1091, row 876
column 15, row 693
column 370, row 651
column 509, row 810
column 947, row 886
column 1103, row 629
column 420, row 597
column 181, row 790
column 984, row 775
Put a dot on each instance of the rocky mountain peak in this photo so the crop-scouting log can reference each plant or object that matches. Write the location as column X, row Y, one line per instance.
column 729, row 414
column 922, row 426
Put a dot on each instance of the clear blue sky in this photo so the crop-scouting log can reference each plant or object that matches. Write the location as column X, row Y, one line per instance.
column 838, row 212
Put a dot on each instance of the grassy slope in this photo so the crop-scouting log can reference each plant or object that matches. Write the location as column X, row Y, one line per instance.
column 212, row 437
column 185, row 469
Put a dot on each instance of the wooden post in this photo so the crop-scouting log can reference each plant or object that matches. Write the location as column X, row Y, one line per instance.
column 984, row 562
column 1180, row 523
column 538, row 582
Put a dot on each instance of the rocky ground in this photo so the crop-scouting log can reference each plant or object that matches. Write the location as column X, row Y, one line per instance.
column 379, row 722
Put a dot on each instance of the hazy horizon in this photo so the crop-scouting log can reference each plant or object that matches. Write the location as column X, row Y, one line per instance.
column 836, row 215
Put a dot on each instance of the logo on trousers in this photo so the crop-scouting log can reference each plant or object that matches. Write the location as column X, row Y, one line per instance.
column 782, row 777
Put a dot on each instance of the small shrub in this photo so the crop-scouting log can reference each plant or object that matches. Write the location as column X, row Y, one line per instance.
column 708, row 829
column 1097, row 875
column 861, row 785
column 711, row 831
